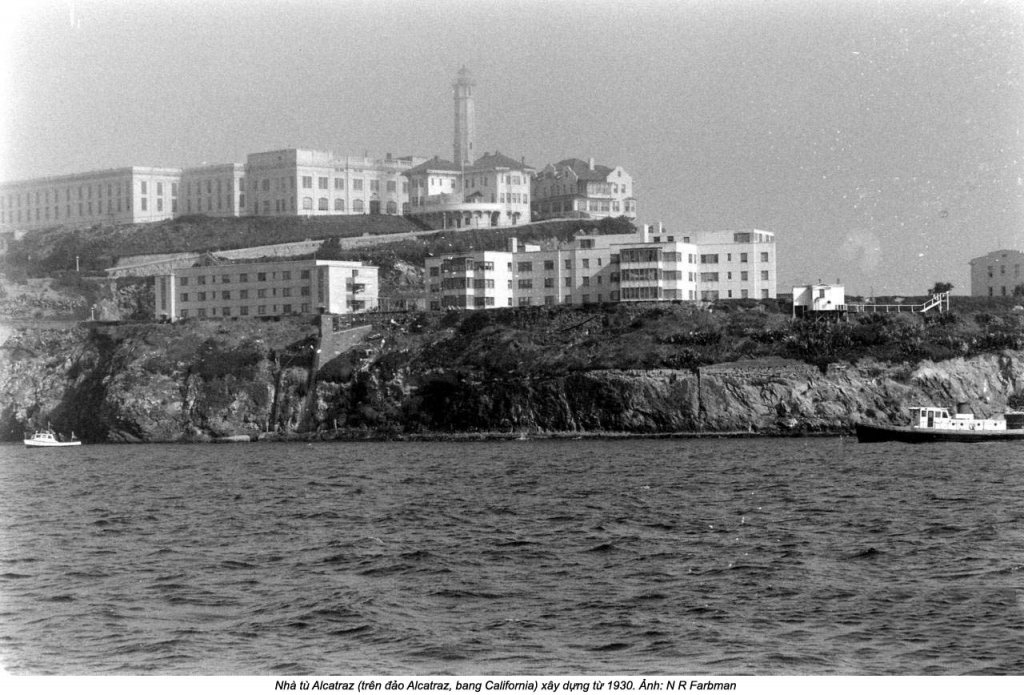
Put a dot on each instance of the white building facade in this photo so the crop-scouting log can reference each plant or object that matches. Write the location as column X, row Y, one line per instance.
column 494, row 191
column 216, row 190
column 289, row 183
column 573, row 188
column 997, row 274
column 651, row 265
column 266, row 288
column 127, row 195
column 736, row 264
column 814, row 299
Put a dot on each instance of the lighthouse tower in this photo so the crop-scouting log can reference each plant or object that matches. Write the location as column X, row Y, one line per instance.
column 465, row 127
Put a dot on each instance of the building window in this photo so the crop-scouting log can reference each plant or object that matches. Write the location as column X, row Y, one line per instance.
column 243, row 294
column 743, row 258
column 307, row 181
column 184, row 296
column 261, row 309
column 357, row 205
column 743, row 275
column 323, row 183
column 322, row 204
column 339, row 205
column 339, row 184
column 764, row 274
column 764, row 256
column 357, row 184
column 568, row 282
column 525, row 267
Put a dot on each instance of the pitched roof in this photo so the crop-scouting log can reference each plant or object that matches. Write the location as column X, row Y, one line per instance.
column 499, row 161
column 435, row 164
column 583, row 171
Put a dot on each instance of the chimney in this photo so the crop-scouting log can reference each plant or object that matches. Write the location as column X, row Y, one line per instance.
column 512, row 244
column 591, row 163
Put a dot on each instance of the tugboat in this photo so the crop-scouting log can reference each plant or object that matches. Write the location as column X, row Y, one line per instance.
column 931, row 424
column 48, row 437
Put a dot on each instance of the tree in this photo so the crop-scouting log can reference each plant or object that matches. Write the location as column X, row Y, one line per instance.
column 940, row 287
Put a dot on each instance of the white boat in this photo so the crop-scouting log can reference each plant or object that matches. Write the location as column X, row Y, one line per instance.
column 930, row 424
column 47, row 437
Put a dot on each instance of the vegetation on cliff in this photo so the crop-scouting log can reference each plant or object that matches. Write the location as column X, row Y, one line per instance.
column 635, row 368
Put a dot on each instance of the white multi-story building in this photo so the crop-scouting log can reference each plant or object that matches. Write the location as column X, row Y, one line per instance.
column 577, row 188
column 651, row 265
column 127, row 195
column 736, row 264
column 216, row 190
column 313, row 182
column 494, row 191
column 215, row 289
column 997, row 274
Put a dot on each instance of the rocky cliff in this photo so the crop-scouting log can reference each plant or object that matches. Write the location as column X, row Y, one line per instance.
column 202, row 381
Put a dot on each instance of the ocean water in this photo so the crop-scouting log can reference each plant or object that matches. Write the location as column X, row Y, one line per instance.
column 739, row 557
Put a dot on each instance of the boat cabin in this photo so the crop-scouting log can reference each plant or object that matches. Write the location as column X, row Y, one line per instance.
column 940, row 419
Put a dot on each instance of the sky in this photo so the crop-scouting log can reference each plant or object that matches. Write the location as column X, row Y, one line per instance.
column 880, row 141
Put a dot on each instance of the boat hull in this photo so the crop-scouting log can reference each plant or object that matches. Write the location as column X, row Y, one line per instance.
column 917, row 435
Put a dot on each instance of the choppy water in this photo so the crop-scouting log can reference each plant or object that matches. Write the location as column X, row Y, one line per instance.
column 807, row 556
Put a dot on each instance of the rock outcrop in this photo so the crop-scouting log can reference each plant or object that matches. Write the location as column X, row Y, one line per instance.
column 203, row 382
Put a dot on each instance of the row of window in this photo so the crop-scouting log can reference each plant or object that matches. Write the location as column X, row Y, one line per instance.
column 744, row 276
column 626, row 294
column 84, row 210
column 323, row 184
column 627, row 256
column 227, row 311
column 243, row 294
column 1002, row 270
column 262, row 276
column 712, row 258
column 85, row 191
column 209, row 186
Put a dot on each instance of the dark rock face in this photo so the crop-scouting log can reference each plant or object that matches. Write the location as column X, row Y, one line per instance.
column 209, row 381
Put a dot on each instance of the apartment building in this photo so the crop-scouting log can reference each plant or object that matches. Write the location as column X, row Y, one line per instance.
column 589, row 270
column 217, row 289
column 997, row 274
column 736, row 264
column 314, row 182
column 577, row 188
column 127, row 195
column 651, row 265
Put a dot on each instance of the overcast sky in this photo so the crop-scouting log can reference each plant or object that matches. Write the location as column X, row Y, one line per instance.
column 881, row 141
